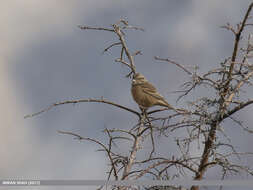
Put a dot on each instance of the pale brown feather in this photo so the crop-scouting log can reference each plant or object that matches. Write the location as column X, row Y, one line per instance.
column 145, row 94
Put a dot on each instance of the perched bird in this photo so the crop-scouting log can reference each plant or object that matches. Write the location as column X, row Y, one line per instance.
column 145, row 94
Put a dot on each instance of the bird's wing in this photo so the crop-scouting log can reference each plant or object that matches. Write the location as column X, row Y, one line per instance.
column 148, row 86
column 149, row 89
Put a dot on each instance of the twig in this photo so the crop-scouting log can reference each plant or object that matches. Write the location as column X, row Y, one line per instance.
column 114, row 44
column 94, row 28
column 123, row 62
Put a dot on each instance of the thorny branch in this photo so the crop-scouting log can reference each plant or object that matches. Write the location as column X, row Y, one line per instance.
column 82, row 101
column 118, row 29
column 207, row 113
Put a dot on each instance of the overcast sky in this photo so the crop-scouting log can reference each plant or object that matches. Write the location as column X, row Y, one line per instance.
column 45, row 58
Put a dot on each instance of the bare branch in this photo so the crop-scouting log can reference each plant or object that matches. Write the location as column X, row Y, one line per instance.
column 112, row 45
column 123, row 62
column 135, row 148
column 97, row 142
column 133, row 27
column 237, row 108
column 81, row 101
column 236, row 44
column 137, row 53
column 229, row 27
column 173, row 62
column 94, row 28
column 122, row 131
column 122, row 39
column 127, row 26
column 79, row 137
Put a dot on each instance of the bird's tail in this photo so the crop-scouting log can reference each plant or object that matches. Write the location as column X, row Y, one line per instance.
column 165, row 104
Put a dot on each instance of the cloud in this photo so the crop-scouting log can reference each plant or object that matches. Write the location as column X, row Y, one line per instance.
column 14, row 136
column 23, row 23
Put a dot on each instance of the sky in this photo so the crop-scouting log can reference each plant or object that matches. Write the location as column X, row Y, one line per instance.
column 46, row 58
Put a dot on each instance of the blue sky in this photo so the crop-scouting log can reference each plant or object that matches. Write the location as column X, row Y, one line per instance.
column 45, row 58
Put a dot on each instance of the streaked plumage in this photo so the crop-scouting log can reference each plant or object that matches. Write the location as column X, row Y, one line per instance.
column 145, row 94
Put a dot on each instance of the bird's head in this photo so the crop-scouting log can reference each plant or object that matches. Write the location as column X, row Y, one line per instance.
column 138, row 78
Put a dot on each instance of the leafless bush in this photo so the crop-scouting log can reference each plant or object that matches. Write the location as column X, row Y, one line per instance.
column 202, row 122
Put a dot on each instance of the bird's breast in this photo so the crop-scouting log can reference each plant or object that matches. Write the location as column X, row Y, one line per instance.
column 140, row 96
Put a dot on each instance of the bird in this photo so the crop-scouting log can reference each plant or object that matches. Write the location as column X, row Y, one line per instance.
column 145, row 94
